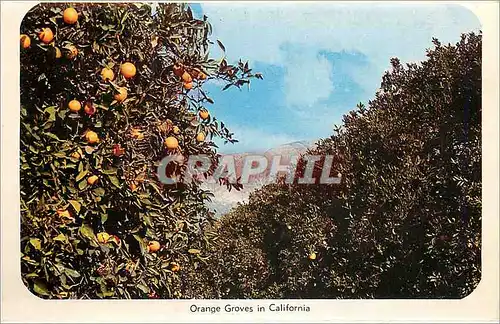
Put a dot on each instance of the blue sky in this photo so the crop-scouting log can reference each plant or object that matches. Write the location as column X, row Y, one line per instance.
column 318, row 59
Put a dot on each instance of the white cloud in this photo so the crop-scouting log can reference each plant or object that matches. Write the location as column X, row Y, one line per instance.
column 308, row 77
column 258, row 30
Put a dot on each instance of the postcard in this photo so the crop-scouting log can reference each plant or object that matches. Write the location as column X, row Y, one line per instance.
column 250, row 161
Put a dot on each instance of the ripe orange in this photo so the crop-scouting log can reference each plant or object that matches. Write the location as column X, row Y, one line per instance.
column 103, row 237
column 176, row 130
column 136, row 133
column 89, row 108
column 153, row 246
column 25, row 41
column 72, row 52
column 174, row 267
column 200, row 137
column 74, row 105
column 118, row 150
column 91, row 137
column 171, row 143
column 92, row 179
column 70, row 16
column 121, row 95
column 186, row 77
column 178, row 69
column 58, row 52
column 204, row 114
column 188, row 85
column 128, row 70
column 312, row 256
column 133, row 186
column 107, row 74
column 46, row 35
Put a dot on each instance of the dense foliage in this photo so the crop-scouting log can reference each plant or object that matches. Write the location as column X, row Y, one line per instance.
column 96, row 223
column 406, row 220
column 95, row 220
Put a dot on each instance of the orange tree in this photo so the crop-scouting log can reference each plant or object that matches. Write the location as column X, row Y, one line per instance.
column 405, row 222
column 108, row 90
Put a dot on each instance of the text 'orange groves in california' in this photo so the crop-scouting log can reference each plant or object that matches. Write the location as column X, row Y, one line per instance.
column 171, row 143
column 74, row 105
column 70, row 16
column 46, row 35
column 128, row 70
column 25, row 41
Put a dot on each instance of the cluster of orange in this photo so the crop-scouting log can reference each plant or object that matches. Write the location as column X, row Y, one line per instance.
column 46, row 35
column 188, row 75
column 128, row 71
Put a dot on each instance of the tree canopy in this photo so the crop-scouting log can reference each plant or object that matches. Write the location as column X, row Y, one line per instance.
column 405, row 222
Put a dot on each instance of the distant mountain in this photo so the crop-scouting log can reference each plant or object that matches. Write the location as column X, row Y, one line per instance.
column 224, row 200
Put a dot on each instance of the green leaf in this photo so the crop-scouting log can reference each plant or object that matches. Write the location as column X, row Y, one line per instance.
column 81, row 175
column 99, row 191
column 52, row 136
column 82, row 185
column 52, row 113
column 76, row 205
column 61, row 237
column 40, row 288
column 104, row 218
column 72, row 273
column 87, row 232
column 194, row 251
column 37, row 244
column 221, row 46
column 143, row 288
column 141, row 243
column 60, row 154
column 110, row 171
column 114, row 180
